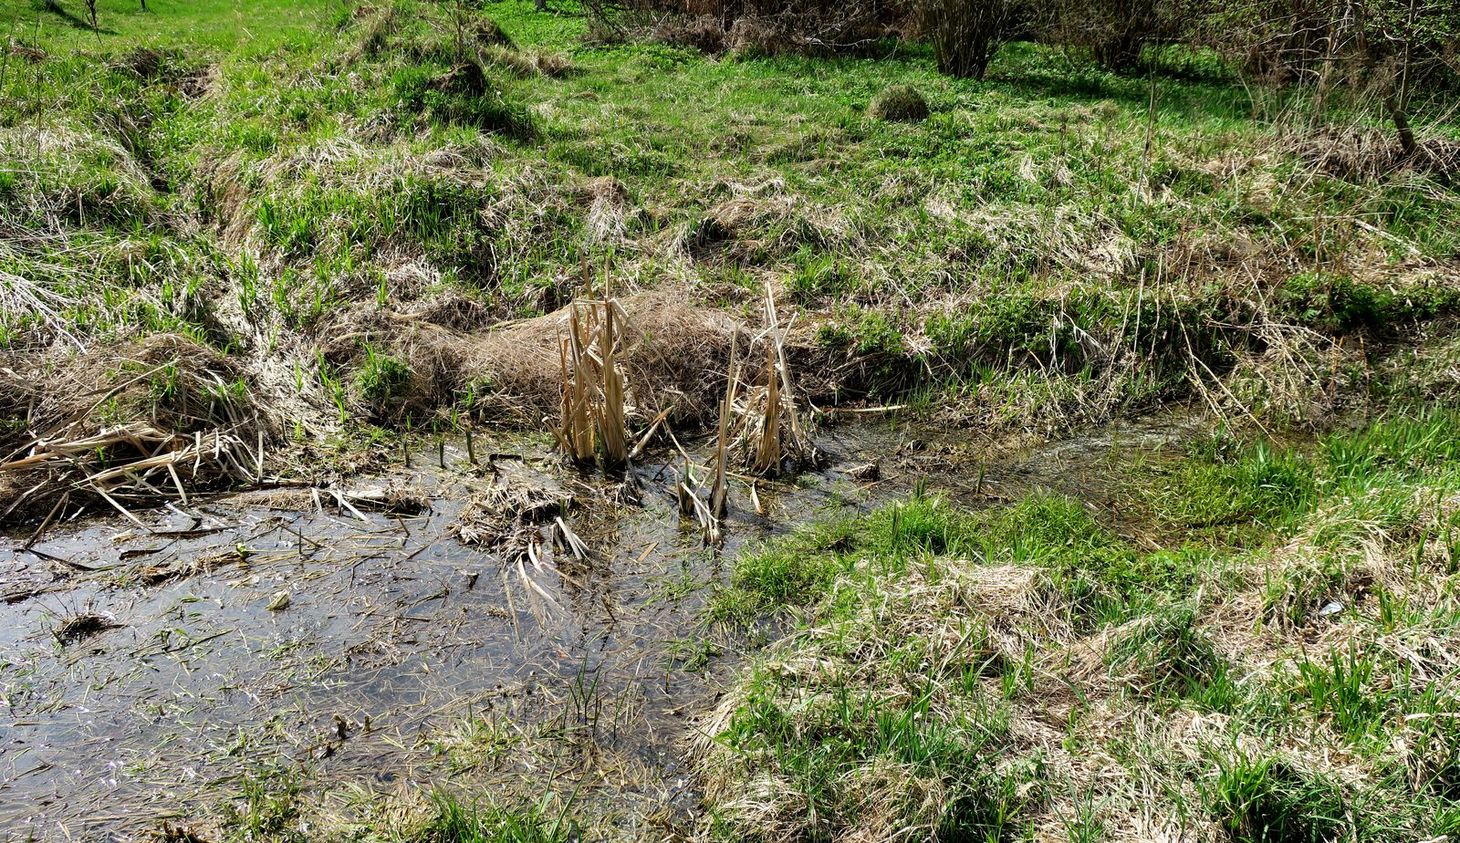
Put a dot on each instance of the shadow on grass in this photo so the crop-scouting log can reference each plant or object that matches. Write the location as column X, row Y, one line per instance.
column 55, row 8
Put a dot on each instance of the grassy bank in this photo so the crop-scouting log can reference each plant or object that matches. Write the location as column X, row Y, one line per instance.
column 346, row 199
column 1269, row 657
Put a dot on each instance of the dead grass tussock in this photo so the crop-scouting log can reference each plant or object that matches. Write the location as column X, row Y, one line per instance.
column 136, row 423
column 1372, row 154
column 347, row 163
column 673, row 358
column 528, row 64
column 759, row 221
column 453, row 309
column 957, row 617
column 33, row 304
column 609, row 210
column 1069, row 238
column 64, row 171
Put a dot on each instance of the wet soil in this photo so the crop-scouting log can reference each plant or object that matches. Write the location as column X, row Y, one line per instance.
column 249, row 635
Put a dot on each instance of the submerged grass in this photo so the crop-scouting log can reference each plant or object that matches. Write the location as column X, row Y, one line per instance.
column 457, row 822
column 1025, row 670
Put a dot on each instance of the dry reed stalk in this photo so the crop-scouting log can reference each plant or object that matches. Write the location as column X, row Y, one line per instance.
column 575, row 430
column 593, row 417
column 610, row 416
column 683, row 491
column 771, row 428
column 719, row 490
column 768, row 446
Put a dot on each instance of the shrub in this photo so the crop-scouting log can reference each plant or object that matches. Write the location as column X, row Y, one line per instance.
column 967, row 33
column 1116, row 31
column 899, row 103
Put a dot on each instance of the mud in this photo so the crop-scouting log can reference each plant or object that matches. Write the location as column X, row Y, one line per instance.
column 248, row 635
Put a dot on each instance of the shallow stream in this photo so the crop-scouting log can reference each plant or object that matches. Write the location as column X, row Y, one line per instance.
column 236, row 636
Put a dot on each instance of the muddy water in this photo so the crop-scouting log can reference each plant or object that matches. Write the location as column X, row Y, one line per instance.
column 233, row 639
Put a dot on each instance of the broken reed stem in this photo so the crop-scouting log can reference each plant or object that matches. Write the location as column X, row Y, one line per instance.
column 768, row 447
column 782, row 366
column 610, row 417
column 719, row 491
column 772, row 428
column 134, row 462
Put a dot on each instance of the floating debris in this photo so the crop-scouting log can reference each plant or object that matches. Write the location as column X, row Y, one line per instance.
column 506, row 515
column 84, row 626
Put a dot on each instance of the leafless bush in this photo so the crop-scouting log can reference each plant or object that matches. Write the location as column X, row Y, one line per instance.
column 1116, row 31
column 750, row 26
column 967, row 33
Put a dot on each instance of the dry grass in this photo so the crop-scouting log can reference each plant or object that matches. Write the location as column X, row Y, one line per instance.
column 672, row 355
column 1370, row 154
column 133, row 425
column 528, row 64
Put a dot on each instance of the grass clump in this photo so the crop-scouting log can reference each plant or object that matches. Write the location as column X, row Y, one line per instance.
column 1264, row 800
column 899, row 103
column 462, row 95
column 382, row 378
column 454, row 821
column 874, row 721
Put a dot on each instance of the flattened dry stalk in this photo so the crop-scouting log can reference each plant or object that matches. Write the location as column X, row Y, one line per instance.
column 592, row 420
column 506, row 516
column 133, row 463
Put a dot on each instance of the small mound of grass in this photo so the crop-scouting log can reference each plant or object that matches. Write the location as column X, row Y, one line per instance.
column 1264, row 800
column 899, row 103
column 381, row 379
column 464, row 96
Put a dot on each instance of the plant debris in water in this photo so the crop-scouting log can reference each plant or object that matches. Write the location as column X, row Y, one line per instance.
column 83, row 626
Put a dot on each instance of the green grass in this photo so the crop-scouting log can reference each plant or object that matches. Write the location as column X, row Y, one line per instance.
column 214, row 26
column 295, row 183
column 1022, row 257
column 1255, row 678
column 458, row 822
